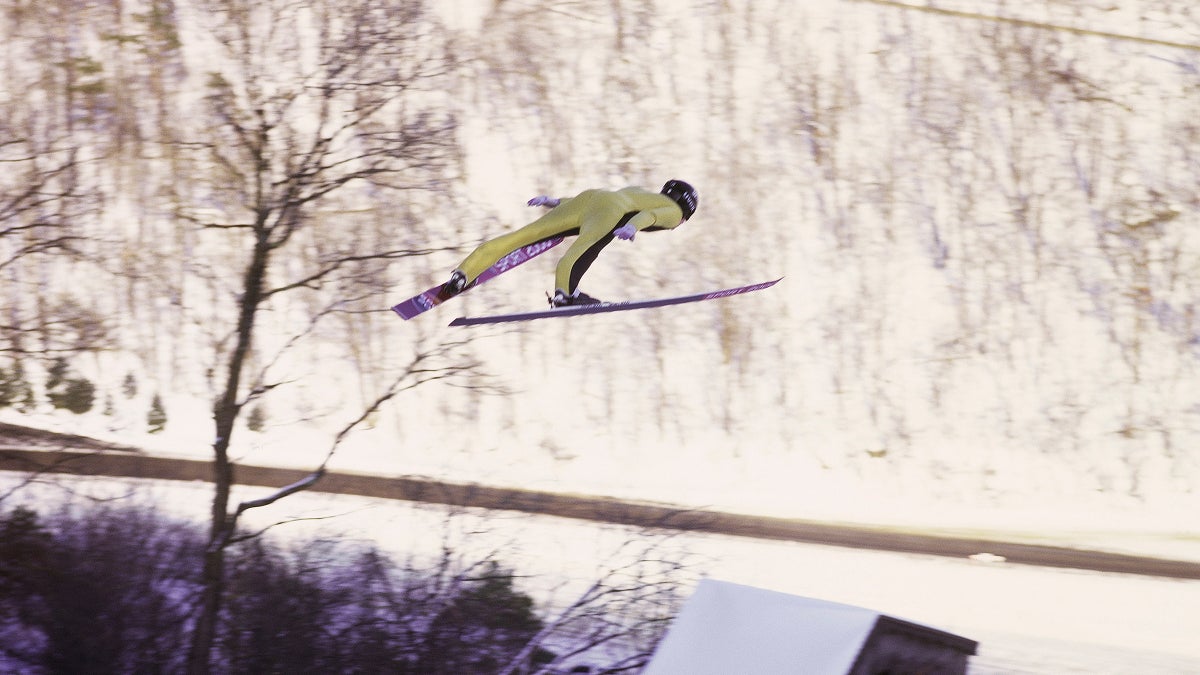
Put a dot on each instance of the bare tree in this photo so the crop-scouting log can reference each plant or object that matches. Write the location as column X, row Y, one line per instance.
column 620, row 617
column 46, row 187
column 306, row 105
column 31, row 205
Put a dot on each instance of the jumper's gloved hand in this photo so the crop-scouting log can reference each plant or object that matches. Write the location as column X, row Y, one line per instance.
column 626, row 232
column 543, row 200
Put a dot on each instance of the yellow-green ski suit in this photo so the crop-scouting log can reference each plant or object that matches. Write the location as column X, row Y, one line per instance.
column 593, row 215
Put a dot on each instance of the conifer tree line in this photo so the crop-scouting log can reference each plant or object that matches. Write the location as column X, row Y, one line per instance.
column 64, row 390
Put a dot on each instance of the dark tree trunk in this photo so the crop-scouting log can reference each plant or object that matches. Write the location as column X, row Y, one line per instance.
column 225, row 414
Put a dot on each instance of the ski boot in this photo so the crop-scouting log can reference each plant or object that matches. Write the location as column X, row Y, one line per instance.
column 562, row 299
column 457, row 284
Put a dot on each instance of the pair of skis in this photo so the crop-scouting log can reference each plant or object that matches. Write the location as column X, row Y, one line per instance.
column 423, row 302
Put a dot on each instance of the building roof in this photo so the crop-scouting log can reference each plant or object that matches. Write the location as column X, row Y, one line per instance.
column 729, row 628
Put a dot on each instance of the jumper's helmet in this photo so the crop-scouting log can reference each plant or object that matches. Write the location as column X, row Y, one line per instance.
column 684, row 195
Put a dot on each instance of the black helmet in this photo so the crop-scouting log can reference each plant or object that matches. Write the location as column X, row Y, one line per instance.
column 684, row 195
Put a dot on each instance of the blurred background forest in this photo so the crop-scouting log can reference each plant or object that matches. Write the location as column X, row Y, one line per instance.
column 988, row 232
column 987, row 228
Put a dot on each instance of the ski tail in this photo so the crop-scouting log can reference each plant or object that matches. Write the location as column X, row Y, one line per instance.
column 427, row 300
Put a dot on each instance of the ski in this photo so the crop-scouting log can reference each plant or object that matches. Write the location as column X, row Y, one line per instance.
column 604, row 307
column 427, row 300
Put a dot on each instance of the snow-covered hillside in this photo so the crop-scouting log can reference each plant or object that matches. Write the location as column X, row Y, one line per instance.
column 987, row 229
column 987, row 232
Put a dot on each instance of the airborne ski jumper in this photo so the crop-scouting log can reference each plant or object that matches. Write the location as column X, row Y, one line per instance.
column 596, row 217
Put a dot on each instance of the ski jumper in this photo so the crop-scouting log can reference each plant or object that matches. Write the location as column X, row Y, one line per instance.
column 593, row 215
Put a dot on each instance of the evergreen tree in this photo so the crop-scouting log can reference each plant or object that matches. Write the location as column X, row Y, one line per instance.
column 56, row 377
column 22, row 390
column 481, row 629
column 256, row 419
column 80, row 396
column 156, row 419
column 129, row 386
column 76, row 394
column 8, row 387
column 24, row 543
